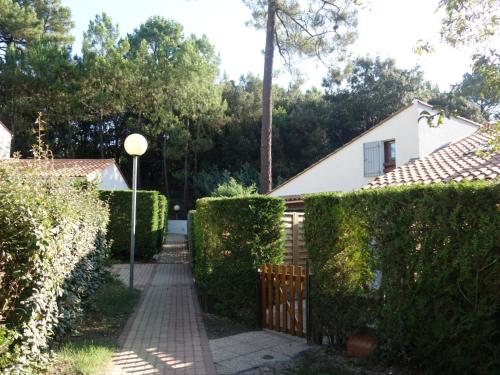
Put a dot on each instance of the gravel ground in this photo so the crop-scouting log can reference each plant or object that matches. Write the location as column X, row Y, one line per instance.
column 218, row 326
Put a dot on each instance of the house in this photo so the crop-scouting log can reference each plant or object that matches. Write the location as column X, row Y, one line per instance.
column 106, row 171
column 395, row 141
column 458, row 161
column 5, row 141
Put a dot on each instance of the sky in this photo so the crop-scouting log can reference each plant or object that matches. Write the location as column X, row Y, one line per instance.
column 386, row 28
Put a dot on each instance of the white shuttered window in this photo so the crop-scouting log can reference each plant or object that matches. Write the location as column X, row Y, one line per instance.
column 372, row 155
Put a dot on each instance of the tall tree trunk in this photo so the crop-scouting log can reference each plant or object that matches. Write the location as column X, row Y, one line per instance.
column 186, row 171
column 101, row 141
column 101, row 138
column 165, row 174
column 195, row 148
column 267, row 105
column 70, row 151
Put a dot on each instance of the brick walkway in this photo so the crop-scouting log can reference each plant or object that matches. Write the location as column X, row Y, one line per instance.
column 166, row 334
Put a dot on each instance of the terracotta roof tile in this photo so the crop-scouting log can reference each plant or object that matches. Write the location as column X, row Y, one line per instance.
column 65, row 167
column 456, row 162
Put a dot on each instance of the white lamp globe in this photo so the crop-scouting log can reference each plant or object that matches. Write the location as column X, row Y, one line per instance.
column 177, row 208
column 135, row 144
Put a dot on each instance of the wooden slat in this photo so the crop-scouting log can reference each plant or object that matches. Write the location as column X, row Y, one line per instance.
column 282, row 296
column 300, row 322
column 262, row 279
column 292, row 300
column 270, row 297
column 277, row 294
column 295, row 235
column 282, row 287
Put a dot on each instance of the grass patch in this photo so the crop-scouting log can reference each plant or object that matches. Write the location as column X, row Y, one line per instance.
column 88, row 350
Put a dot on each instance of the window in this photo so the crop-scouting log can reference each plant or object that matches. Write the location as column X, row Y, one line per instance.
column 372, row 159
column 389, row 156
column 379, row 157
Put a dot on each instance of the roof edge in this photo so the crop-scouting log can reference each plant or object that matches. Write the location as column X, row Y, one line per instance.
column 413, row 102
column 346, row 144
column 120, row 171
column 457, row 117
column 6, row 128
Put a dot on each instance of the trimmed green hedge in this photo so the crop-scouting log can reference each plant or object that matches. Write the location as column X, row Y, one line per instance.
column 53, row 252
column 420, row 264
column 190, row 233
column 149, row 218
column 161, row 238
column 229, row 233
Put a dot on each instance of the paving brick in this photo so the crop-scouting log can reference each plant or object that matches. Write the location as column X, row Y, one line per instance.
column 165, row 335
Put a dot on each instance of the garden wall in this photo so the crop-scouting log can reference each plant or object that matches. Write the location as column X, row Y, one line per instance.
column 419, row 264
column 229, row 234
column 52, row 256
column 150, row 222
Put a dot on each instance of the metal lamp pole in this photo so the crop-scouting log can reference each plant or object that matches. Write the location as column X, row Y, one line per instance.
column 135, row 145
column 132, row 221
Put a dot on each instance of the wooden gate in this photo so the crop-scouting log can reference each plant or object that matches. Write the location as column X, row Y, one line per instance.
column 283, row 298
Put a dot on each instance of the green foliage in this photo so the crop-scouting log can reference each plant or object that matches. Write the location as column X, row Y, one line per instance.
column 469, row 22
column 233, row 188
column 105, row 313
column 53, row 252
column 161, row 82
column 229, row 234
column 190, row 231
column 314, row 29
column 147, row 222
column 162, row 219
column 436, row 248
column 206, row 182
column 482, row 87
column 23, row 22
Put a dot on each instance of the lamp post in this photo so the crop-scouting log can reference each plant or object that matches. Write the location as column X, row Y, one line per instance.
column 177, row 208
column 135, row 145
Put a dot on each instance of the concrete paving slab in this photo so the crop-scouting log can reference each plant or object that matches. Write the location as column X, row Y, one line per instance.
column 250, row 350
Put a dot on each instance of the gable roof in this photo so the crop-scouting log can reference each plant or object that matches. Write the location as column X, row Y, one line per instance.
column 344, row 146
column 6, row 128
column 66, row 167
column 415, row 101
column 456, row 162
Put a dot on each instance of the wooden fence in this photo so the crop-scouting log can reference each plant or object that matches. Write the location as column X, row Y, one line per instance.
column 282, row 298
column 295, row 250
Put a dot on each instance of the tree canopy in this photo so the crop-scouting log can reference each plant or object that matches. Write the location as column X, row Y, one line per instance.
column 204, row 132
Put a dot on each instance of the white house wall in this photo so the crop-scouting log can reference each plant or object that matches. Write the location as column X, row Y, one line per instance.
column 5, row 141
column 433, row 138
column 112, row 179
column 344, row 170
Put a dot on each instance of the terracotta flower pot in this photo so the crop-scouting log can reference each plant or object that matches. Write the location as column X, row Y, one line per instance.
column 360, row 346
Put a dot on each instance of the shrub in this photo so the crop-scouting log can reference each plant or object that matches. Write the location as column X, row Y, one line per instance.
column 148, row 215
column 229, row 234
column 52, row 257
column 190, row 232
column 233, row 188
column 162, row 220
column 436, row 248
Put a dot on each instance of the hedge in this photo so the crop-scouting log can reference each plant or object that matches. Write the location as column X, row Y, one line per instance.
column 420, row 264
column 190, row 233
column 229, row 234
column 52, row 256
column 149, row 233
column 161, row 238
